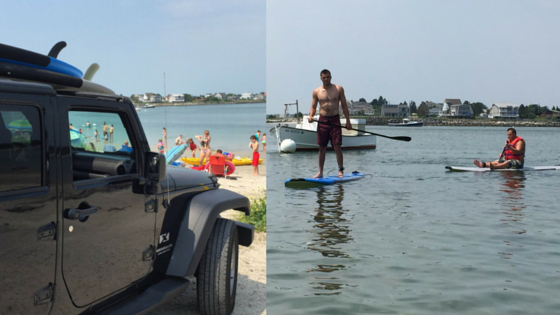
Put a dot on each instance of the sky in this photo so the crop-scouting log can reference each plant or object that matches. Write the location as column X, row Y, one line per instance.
column 403, row 50
column 201, row 46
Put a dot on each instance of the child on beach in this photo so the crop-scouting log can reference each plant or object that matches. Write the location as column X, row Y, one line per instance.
column 264, row 142
column 160, row 146
column 204, row 152
column 111, row 133
column 255, row 146
column 192, row 146
column 96, row 135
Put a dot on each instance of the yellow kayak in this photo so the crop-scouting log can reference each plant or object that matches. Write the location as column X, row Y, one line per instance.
column 235, row 161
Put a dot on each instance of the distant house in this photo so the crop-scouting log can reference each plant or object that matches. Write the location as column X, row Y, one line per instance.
column 393, row 110
column 207, row 95
column 221, row 96
column 232, row 98
column 453, row 107
column 137, row 97
column 151, row 97
column 504, row 110
column 259, row 97
column 355, row 108
column 175, row 98
column 246, row 96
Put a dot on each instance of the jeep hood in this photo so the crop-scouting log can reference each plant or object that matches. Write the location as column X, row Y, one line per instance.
column 178, row 178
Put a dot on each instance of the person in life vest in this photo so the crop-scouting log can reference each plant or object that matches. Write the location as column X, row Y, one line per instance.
column 513, row 155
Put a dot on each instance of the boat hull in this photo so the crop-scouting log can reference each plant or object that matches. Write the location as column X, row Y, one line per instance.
column 306, row 140
column 416, row 124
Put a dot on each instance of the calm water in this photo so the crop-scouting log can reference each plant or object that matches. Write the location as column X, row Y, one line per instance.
column 413, row 238
column 230, row 125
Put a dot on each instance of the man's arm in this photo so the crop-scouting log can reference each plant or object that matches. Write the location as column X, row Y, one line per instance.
column 344, row 107
column 313, row 109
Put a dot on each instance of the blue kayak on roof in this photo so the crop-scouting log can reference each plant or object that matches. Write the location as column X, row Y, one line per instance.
column 327, row 180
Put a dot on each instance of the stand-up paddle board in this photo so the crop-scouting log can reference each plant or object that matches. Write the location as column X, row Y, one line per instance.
column 31, row 59
column 328, row 180
column 175, row 153
column 486, row 169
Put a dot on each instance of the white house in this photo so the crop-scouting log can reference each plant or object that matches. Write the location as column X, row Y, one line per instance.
column 504, row 110
column 221, row 96
column 175, row 98
column 151, row 97
column 259, row 96
column 246, row 96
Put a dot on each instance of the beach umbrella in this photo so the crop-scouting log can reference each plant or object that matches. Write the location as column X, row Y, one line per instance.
column 20, row 124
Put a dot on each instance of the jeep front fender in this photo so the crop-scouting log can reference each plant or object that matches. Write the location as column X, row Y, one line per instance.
column 203, row 210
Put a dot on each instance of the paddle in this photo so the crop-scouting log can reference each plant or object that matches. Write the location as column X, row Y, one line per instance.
column 372, row 133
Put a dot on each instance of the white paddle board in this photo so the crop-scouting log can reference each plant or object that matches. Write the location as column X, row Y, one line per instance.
column 486, row 169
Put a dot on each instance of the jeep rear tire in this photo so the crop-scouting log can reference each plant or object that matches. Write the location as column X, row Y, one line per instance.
column 217, row 270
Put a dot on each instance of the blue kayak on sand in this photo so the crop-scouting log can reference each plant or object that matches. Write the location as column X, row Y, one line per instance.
column 327, row 180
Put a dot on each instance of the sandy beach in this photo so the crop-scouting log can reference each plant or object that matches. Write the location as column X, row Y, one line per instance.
column 251, row 286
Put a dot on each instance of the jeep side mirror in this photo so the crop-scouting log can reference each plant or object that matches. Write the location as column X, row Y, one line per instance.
column 155, row 166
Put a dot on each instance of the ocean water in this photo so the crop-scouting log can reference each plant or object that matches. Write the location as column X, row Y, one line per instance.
column 413, row 238
column 230, row 125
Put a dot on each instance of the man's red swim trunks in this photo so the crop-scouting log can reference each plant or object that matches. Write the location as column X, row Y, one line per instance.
column 326, row 132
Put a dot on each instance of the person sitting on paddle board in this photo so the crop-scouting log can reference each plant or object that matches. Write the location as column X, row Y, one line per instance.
column 513, row 155
column 329, row 96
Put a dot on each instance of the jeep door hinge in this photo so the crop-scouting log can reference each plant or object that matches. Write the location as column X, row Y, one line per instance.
column 46, row 231
column 148, row 253
column 151, row 206
column 45, row 295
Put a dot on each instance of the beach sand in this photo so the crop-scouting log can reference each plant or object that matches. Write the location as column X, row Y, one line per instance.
column 251, row 285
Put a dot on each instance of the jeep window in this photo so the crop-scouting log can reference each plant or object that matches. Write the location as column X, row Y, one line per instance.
column 100, row 144
column 21, row 157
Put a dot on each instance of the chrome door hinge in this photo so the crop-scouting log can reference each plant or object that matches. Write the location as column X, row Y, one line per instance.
column 46, row 231
column 148, row 253
column 45, row 295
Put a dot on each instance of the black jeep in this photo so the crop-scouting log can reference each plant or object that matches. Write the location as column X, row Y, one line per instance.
column 89, row 227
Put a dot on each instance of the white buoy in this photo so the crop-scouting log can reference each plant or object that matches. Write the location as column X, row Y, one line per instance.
column 288, row 146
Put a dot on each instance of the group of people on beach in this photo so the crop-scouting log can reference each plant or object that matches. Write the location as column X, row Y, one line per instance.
column 108, row 131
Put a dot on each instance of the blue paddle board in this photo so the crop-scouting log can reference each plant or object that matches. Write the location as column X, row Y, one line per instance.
column 328, row 180
column 31, row 59
column 175, row 153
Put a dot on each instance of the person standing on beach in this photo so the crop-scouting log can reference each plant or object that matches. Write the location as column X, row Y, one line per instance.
column 264, row 142
column 192, row 146
column 329, row 96
column 255, row 146
column 205, row 138
column 512, row 156
column 111, row 133
column 258, row 135
column 105, row 133
column 164, row 136
column 161, row 146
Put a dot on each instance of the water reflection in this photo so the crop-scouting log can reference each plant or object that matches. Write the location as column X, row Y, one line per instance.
column 331, row 231
column 512, row 187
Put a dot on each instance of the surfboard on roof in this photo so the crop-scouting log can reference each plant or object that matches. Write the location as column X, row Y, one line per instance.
column 18, row 64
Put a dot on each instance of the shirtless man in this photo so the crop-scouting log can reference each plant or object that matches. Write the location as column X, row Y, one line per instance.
column 513, row 155
column 329, row 96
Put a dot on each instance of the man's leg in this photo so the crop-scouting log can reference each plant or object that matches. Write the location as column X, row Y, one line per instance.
column 338, row 150
column 322, row 150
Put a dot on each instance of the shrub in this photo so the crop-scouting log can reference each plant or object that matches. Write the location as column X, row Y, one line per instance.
column 258, row 213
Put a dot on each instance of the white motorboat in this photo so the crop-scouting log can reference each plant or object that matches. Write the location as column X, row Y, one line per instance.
column 305, row 135
column 407, row 123
column 149, row 106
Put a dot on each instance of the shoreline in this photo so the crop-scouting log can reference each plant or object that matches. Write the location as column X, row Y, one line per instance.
column 450, row 122
column 162, row 104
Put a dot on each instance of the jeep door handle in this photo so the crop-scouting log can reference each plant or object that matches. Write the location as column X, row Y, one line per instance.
column 79, row 214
